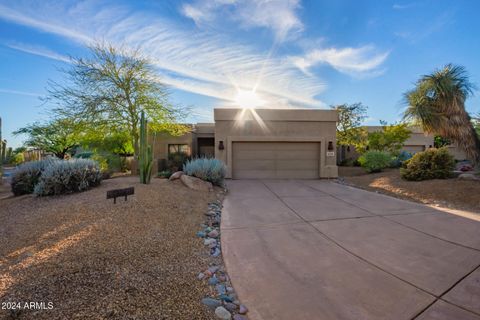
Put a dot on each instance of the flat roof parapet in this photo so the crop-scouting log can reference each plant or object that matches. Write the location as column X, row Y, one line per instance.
column 231, row 114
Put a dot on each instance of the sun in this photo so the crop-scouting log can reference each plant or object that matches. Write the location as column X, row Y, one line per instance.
column 248, row 99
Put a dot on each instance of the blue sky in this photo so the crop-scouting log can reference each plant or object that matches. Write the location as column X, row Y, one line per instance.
column 293, row 53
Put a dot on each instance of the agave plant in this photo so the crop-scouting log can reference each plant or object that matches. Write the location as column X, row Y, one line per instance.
column 438, row 105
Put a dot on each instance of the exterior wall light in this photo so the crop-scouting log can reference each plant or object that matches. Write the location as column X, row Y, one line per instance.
column 220, row 145
column 330, row 145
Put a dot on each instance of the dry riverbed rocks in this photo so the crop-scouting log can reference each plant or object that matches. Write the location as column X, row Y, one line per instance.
column 223, row 298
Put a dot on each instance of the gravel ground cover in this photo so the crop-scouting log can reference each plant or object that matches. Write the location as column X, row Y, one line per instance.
column 92, row 259
column 450, row 193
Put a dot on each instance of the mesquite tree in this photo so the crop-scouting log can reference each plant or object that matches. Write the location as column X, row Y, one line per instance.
column 110, row 89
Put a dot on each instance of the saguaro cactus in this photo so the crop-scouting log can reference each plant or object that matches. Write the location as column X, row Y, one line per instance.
column 145, row 156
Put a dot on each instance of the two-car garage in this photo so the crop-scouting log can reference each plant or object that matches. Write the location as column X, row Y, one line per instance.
column 276, row 143
column 275, row 160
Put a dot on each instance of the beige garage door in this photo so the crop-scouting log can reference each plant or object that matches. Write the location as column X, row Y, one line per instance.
column 275, row 160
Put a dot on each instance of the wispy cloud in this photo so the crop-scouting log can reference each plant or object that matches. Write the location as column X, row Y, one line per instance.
column 21, row 93
column 428, row 28
column 360, row 61
column 280, row 16
column 404, row 6
column 199, row 60
column 193, row 61
column 38, row 51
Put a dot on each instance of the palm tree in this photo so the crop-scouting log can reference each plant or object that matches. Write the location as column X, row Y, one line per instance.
column 438, row 105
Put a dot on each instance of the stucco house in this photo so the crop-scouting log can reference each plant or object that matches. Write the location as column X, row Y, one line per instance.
column 261, row 143
column 272, row 143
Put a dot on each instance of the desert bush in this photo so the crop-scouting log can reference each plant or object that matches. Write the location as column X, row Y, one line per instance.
column 375, row 161
column 68, row 176
column 177, row 160
column 164, row 174
column 430, row 164
column 26, row 176
column 400, row 159
column 212, row 170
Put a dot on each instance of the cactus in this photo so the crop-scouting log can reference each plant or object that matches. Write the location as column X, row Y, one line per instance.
column 8, row 157
column 145, row 156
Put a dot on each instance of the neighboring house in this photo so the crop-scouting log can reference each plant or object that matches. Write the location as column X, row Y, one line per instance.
column 417, row 142
column 261, row 143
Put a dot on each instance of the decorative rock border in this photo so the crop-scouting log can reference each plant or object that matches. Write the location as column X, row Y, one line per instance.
column 223, row 298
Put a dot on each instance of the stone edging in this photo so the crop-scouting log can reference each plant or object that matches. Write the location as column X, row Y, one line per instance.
column 223, row 298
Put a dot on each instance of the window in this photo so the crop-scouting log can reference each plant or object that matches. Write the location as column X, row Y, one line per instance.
column 178, row 148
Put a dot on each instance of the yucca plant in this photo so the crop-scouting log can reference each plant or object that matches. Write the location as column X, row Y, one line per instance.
column 145, row 158
column 438, row 105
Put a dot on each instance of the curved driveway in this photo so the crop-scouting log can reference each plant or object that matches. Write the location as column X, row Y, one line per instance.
column 313, row 249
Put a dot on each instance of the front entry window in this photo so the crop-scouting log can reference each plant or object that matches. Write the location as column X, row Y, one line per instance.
column 178, row 148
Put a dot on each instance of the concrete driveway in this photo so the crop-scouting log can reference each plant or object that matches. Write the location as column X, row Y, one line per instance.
column 313, row 249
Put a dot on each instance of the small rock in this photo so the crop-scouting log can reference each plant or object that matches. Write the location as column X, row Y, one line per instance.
column 230, row 306
column 243, row 309
column 215, row 252
column 213, row 269
column 230, row 289
column 212, row 281
column 211, row 303
column 222, row 278
column 210, row 213
column 239, row 317
column 212, row 245
column 201, row 234
column 209, row 241
column 468, row 176
column 213, row 234
column 225, row 298
column 236, row 302
column 220, row 289
column 223, row 313
column 176, row 175
column 200, row 276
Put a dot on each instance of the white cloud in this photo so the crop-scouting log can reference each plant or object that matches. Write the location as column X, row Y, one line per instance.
column 21, row 93
column 38, row 51
column 280, row 16
column 398, row 6
column 353, row 61
column 199, row 62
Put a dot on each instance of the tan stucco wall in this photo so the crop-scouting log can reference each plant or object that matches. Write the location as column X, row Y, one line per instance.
column 282, row 125
column 162, row 140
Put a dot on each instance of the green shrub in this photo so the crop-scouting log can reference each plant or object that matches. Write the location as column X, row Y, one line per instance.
column 212, row 170
column 400, row 159
column 177, row 160
column 18, row 159
column 26, row 176
column 164, row 174
column 68, row 176
column 375, row 161
column 430, row 164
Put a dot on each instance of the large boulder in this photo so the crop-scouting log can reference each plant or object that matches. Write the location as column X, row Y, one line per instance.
column 196, row 183
column 176, row 175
